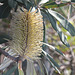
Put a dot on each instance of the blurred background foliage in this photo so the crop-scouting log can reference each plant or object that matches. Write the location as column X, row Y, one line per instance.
column 54, row 34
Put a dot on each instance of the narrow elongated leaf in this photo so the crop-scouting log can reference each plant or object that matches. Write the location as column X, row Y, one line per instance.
column 60, row 33
column 2, row 0
column 64, row 1
column 50, row 0
column 38, row 1
column 67, row 25
column 20, row 68
column 53, row 48
column 24, row 2
column 5, row 64
column 43, row 1
column 32, row 1
column 19, row 1
column 4, row 37
column 72, row 0
column 45, row 69
column 24, row 66
column 30, row 68
column 53, row 4
column 4, row 10
column 57, row 28
column 63, row 39
column 12, row 3
column 27, row 4
column 53, row 66
column 51, row 61
column 4, row 47
column 41, row 68
column 21, row 72
column 37, row 68
column 16, row 72
column 10, row 71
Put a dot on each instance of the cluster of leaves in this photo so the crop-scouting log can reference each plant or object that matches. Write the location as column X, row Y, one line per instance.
column 52, row 16
column 7, row 5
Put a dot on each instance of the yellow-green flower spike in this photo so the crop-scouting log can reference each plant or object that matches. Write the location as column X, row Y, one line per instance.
column 27, row 32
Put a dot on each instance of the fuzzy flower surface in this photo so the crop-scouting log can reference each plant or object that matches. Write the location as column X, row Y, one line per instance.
column 27, row 32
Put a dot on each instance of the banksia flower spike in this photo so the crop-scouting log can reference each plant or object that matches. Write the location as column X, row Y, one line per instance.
column 27, row 32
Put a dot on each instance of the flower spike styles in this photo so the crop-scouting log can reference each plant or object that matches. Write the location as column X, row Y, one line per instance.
column 27, row 32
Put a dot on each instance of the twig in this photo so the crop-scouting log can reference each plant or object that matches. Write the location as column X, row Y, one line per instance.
column 9, row 56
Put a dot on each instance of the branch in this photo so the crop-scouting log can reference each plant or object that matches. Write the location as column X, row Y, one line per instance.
column 9, row 56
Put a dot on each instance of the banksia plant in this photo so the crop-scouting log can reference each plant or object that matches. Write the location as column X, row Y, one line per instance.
column 27, row 30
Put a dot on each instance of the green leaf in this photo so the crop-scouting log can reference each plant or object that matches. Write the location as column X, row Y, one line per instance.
column 38, row 1
column 54, row 66
column 4, row 10
column 12, row 3
column 45, row 69
column 24, row 66
column 21, row 72
column 4, row 38
column 20, row 68
column 53, row 4
column 72, row 0
column 50, row 0
column 51, row 61
column 43, row 1
column 5, row 64
column 63, row 39
column 2, row 0
column 24, row 2
column 41, row 68
column 27, row 4
column 19, row 1
column 44, row 40
column 4, row 47
column 53, row 48
column 10, row 71
column 30, row 68
column 16, row 72
column 57, row 28
column 67, row 25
